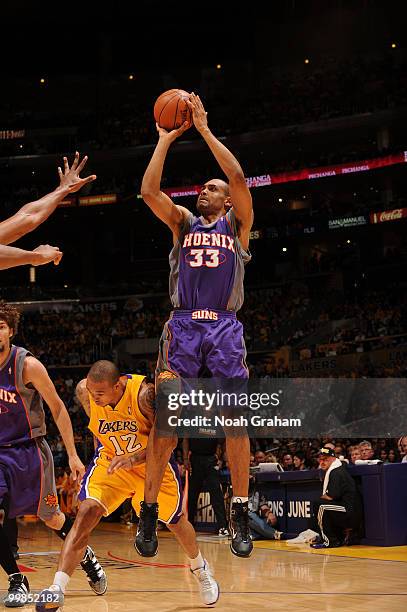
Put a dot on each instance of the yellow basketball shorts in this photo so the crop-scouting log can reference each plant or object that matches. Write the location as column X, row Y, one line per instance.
column 111, row 490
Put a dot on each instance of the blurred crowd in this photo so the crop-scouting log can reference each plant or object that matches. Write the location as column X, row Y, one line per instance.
column 274, row 317
column 122, row 117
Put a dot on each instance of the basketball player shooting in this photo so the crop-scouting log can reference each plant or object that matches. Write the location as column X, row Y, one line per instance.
column 207, row 269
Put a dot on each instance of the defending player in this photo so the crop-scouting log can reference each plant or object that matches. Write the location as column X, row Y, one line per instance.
column 120, row 409
column 31, row 215
column 27, row 483
column 207, row 269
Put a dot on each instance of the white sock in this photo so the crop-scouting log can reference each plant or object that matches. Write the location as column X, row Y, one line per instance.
column 197, row 563
column 61, row 579
column 240, row 500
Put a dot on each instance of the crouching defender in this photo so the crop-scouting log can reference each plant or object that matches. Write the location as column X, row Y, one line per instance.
column 121, row 413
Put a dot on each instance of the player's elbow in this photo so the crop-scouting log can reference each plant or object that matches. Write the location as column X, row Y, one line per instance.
column 26, row 224
column 148, row 190
column 237, row 178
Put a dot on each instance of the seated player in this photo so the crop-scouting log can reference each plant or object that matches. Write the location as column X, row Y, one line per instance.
column 120, row 409
column 27, row 483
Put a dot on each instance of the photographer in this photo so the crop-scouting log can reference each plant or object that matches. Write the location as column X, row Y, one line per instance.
column 263, row 524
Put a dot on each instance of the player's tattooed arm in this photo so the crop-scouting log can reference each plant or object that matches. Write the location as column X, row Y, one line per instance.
column 82, row 395
column 146, row 401
column 127, row 462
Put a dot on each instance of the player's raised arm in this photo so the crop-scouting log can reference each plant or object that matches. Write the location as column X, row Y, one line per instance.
column 239, row 192
column 161, row 205
column 31, row 215
column 35, row 373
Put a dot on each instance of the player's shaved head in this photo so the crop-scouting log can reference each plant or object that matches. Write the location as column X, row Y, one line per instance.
column 104, row 370
column 222, row 184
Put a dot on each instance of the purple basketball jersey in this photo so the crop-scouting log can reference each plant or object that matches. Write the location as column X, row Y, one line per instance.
column 207, row 265
column 21, row 413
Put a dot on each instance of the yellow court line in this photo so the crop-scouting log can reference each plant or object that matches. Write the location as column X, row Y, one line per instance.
column 380, row 553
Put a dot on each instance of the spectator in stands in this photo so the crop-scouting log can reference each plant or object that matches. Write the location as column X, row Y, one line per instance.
column 259, row 457
column 393, row 456
column 366, row 450
column 355, row 453
column 287, row 462
column 402, row 445
column 299, row 461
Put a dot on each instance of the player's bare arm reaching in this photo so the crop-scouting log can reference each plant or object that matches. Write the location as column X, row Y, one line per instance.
column 35, row 373
column 31, row 215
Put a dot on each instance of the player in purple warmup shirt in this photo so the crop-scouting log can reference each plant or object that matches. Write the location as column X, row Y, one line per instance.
column 27, row 483
column 206, row 286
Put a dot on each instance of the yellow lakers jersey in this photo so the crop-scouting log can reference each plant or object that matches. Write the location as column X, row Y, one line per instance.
column 121, row 429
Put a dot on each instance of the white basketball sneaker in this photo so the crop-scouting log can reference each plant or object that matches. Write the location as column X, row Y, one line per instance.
column 208, row 587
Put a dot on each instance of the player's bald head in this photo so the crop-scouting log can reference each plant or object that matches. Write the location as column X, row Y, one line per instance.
column 104, row 371
column 222, row 185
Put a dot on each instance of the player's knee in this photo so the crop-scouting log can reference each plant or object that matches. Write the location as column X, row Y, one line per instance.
column 89, row 512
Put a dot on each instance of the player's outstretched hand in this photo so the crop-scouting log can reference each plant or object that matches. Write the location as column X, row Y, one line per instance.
column 47, row 254
column 77, row 468
column 199, row 115
column 173, row 134
column 69, row 178
column 126, row 462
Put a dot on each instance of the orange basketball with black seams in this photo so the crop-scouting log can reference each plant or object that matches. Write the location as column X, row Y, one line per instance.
column 171, row 109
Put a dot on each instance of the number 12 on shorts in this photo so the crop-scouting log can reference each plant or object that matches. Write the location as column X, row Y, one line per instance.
column 129, row 439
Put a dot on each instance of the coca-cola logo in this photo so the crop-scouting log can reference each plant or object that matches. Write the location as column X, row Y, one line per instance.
column 391, row 215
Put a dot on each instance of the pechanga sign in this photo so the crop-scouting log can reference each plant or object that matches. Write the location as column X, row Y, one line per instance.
column 304, row 174
column 347, row 222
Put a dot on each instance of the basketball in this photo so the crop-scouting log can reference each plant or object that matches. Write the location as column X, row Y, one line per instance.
column 171, row 109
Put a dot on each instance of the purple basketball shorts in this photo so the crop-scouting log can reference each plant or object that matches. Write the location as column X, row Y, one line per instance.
column 197, row 343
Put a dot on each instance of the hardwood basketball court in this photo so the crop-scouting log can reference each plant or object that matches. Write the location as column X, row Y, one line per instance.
column 276, row 577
